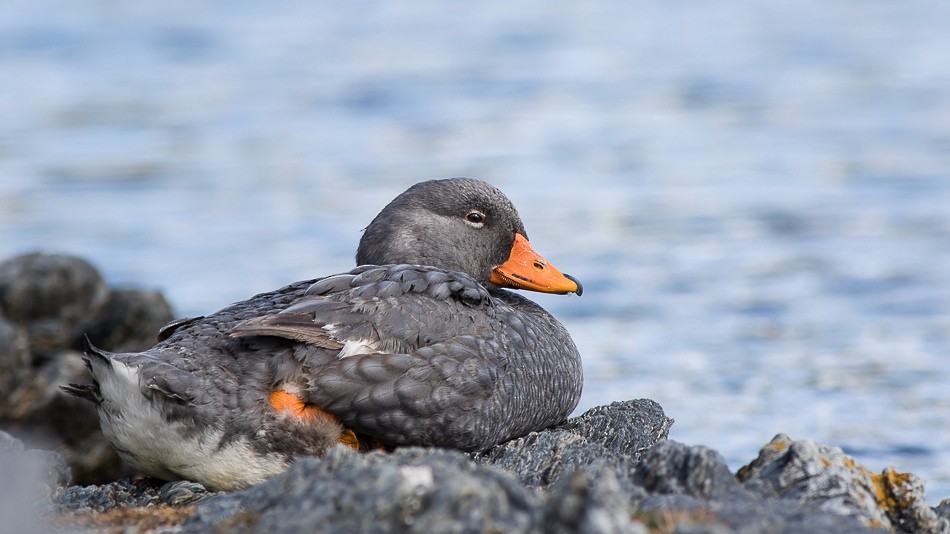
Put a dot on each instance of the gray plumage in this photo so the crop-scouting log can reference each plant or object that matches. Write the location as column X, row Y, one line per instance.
column 415, row 346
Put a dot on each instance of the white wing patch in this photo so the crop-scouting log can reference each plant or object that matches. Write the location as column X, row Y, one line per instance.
column 352, row 347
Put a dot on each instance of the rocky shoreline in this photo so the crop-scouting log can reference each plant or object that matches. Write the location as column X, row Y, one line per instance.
column 610, row 470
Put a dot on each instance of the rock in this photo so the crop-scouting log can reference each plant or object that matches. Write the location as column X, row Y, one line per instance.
column 129, row 320
column 409, row 490
column 14, row 353
column 54, row 297
column 623, row 485
column 32, row 478
column 673, row 468
column 140, row 504
column 131, row 493
column 943, row 509
column 589, row 501
column 38, row 411
column 612, row 436
column 691, row 489
column 53, row 472
column 824, row 478
column 47, row 303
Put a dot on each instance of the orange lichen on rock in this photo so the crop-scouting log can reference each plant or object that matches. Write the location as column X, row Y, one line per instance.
column 889, row 488
column 123, row 519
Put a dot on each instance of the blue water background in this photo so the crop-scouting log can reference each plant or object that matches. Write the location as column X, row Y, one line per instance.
column 756, row 194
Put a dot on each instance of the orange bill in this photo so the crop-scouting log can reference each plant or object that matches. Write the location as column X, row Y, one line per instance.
column 526, row 269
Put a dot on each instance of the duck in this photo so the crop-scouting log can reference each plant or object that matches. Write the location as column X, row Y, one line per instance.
column 423, row 343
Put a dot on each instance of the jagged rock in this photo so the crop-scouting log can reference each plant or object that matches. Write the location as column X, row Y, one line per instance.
column 409, row 490
column 140, row 504
column 943, row 509
column 612, row 436
column 673, row 468
column 589, row 501
column 824, row 478
column 53, row 296
column 671, row 487
column 692, row 490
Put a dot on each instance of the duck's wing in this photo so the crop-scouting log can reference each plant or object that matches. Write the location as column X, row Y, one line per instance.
column 431, row 396
column 379, row 310
column 412, row 350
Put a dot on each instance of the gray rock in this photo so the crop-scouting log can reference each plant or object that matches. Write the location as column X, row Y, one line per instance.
column 611, row 437
column 808, row 473
column 673, row 468
column 943, row 509
column 54, row 297
column 619, row 487
column 125, row 493
column 410, row 490
column 589, row 501
column 130, row 320
column 47, row 302
column 31, row 478
column 14, row 353
column 129, row 493
column 691, row 490
column 824, row 478
column 52, row 471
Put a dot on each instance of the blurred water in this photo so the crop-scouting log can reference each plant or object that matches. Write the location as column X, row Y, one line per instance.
column 754, row 193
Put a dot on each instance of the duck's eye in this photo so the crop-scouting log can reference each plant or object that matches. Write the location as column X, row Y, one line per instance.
column 475, row 218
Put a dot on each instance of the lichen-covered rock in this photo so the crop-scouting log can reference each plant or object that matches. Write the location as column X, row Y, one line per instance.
column 130, row 493
column 943, row 509
column 824, row 478
column 691, row 489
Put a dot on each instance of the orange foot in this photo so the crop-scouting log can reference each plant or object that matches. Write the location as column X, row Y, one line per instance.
column 288, row 403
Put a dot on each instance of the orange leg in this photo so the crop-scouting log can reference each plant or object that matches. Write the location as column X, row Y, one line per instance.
column 284, row 402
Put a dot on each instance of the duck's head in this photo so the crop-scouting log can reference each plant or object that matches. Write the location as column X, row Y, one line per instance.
column 465, row 225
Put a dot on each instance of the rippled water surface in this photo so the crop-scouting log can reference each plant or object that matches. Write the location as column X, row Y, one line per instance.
column 755, row 194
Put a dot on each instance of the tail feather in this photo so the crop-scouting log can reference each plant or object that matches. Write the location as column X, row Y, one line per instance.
column 92, row 351
column 89, row 392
